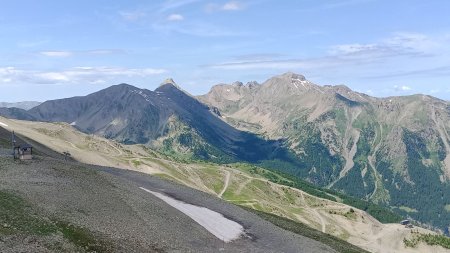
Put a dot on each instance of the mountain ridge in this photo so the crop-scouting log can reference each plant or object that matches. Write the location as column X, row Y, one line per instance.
column 25, row 105
column 371, row 148
column 393, row 151
column 167, row 118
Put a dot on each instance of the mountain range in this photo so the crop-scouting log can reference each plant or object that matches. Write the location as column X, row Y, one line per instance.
column 393, row 151
column 168, row 119
column 26, row 105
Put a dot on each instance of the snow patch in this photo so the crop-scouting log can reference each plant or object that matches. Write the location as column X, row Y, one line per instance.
column 305, row 83
column 73, row 123
column 3, row 124
column 221, row 227
column 145, row 96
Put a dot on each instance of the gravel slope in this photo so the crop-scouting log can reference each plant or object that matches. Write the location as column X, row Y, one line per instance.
column 109, row 203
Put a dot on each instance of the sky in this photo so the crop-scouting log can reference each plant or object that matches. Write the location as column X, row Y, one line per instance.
column 56, row 49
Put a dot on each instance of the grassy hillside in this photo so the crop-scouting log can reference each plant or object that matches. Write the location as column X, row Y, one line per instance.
column 382, row 214
column 240, row 184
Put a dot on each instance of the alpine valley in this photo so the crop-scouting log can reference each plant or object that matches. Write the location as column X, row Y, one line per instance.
column 393, row 151
column 390, row 154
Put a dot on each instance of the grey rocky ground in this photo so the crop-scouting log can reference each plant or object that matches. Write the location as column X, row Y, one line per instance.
column 109, row 203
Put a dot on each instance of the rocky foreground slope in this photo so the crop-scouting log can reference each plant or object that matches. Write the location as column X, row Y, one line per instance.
column 52, row 205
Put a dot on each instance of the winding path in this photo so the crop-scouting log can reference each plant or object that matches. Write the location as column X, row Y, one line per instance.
column 227, row 181
column 314, row 211
column 322, row 221
column 119, row 152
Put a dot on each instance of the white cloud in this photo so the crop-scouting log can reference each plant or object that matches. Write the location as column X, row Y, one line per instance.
column 92, row 75
column 229, row 6
column 175, row 17
column 69, row 53
column 352, row 48
column 412, row 41
column 270, row 64
column 53, row 76
column 232, row 6
column 405, row 88
column 400, row 45
column 56, row 53
column 402, row 88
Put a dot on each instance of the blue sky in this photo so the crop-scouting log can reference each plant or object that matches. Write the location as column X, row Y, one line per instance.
column 55, row 49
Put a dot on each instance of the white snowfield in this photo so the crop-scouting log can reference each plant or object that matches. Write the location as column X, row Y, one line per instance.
column 221, row 227
column 3, row 124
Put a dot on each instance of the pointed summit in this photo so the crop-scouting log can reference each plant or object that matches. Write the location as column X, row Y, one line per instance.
column 169, row 86
column 294, row 76
column 170, row 81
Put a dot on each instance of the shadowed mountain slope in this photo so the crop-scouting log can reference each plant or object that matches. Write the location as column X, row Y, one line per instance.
column 167, row 118
column 394, row 151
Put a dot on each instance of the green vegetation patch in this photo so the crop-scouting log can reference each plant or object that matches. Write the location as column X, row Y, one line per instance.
column 17, row 217
column 350, row 214
column 380, row 213
column 422, row 191
column 432, row 240
column 5, row 143
column 299, row 228
column 357, row 183
column 341, row 121
column 81, row 237
column 211, row 177
column 136, row 163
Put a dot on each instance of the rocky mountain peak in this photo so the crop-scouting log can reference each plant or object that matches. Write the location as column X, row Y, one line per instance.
column 249, row 85
column 293, row 76
column 169, row 82
column 121, row 86
column 116, row 90
column 237, row 83
column 289, row 82
column 252, row 84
